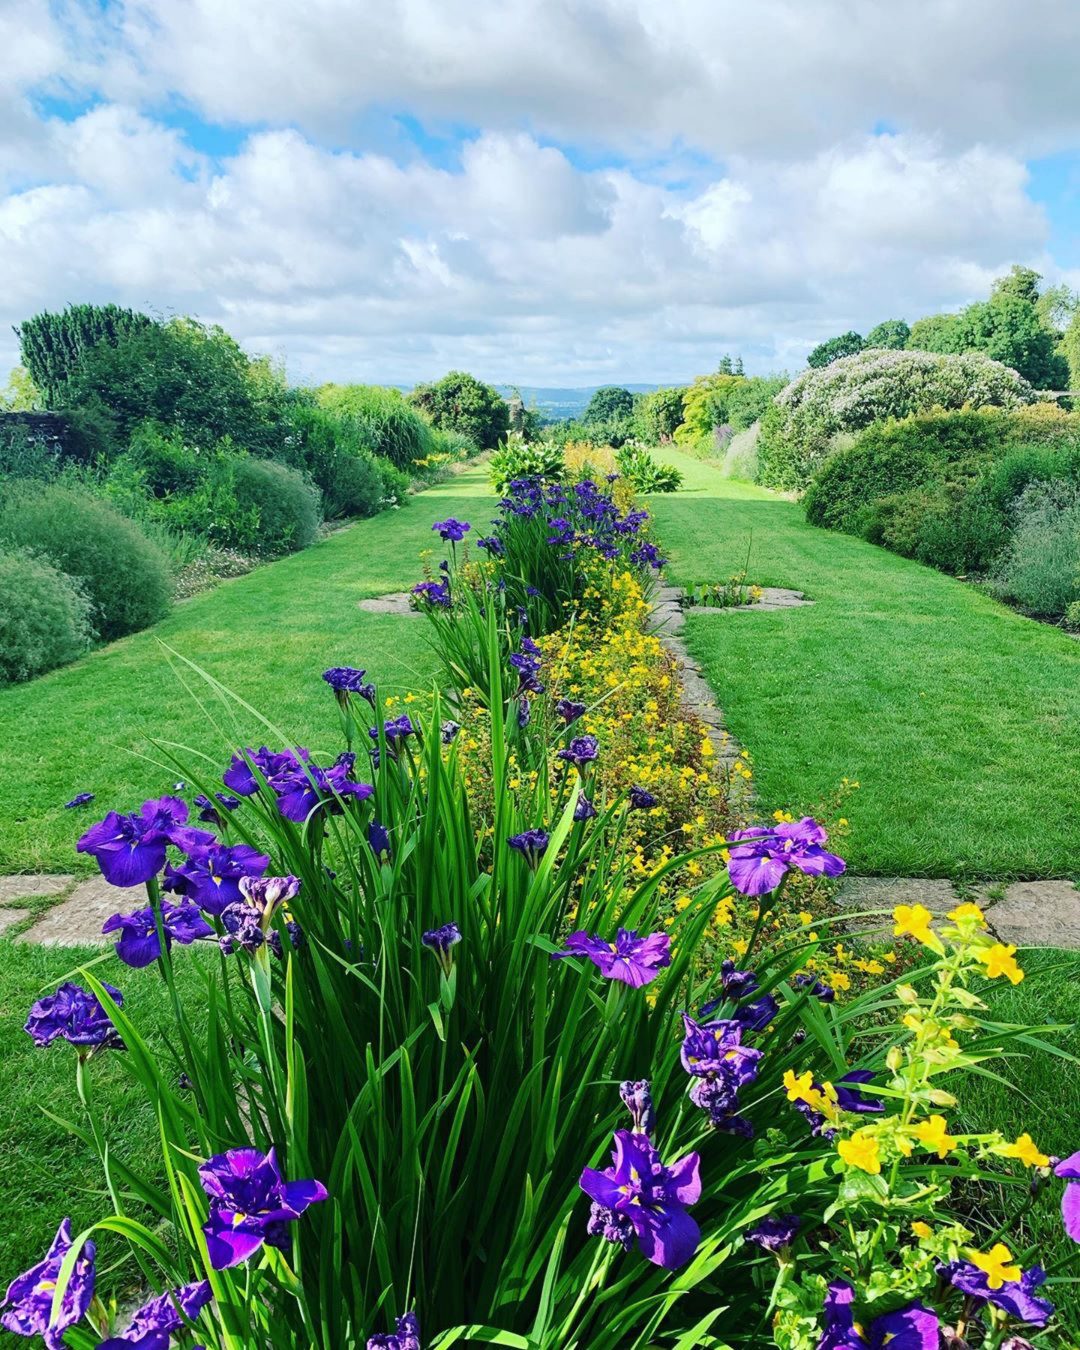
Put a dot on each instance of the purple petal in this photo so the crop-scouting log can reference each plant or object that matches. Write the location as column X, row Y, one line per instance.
column 300, row 1194
column 1070, row 1211
column 1069, row 1167
column 755, row 873
column 667, row 1235
column 600, row 1187
column 686, row 1179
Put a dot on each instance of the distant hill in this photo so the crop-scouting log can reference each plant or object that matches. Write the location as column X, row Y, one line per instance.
column 555, row 404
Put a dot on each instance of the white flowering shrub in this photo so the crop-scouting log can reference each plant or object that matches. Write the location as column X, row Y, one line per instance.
column 876, row 384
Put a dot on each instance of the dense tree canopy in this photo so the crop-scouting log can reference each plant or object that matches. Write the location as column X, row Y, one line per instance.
column 53, row 345
column 609, row 404
column 461, row 402
column 825, row 353
column 892, row 333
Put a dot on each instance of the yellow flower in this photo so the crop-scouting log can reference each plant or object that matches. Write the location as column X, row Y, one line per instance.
column 707, row 748
column 998, row 960
column 922, row 1230
column 914, row 921
column 801, row 1088
column 967, row 911
column 1024, row 1149
column 934, row 1136
column 997, row 1265
column 862, row 1151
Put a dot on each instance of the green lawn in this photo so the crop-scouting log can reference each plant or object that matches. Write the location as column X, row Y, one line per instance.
column 959, row 718
column 267, row 636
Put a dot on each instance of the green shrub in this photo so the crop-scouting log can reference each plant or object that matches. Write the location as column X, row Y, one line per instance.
column 124, row 575
column 455, row 445
column 896, row 520
column 282, row 505
column 518, row 458
column 461, row 402
column 609, row 404
column 852, row 393
column 44, row 617
column 168, row 464
column 1072, row 616
column 382, row 419
column 1040, row 568
column 659, row 415
column 741, row 455
column 644, row 473
column 24, row 455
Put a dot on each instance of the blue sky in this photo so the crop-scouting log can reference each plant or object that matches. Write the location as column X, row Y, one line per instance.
column 542, row 191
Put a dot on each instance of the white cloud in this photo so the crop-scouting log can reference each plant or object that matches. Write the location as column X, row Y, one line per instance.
column 520, row 265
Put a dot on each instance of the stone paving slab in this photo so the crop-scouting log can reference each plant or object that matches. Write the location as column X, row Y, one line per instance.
column 397, row 602
column 935, row 893
column 1037, row 914
column 40, row 883
column 77, row 921
column 10, row 917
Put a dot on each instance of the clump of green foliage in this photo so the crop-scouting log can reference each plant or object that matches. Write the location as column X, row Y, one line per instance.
column 644, row 473
column 125, row 576
column 460, row 402
column 44, row 617
column 383, row 421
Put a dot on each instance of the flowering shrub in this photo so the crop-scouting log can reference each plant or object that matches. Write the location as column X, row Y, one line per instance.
column 448, row 1080
column 853, row 392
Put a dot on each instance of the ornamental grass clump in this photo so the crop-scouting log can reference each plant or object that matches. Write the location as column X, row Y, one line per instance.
column 453, row 1080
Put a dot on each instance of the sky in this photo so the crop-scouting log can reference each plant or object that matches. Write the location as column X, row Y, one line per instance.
column 544, row 192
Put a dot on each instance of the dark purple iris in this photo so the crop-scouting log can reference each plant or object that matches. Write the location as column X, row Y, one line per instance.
column 631, row 959
column 758, row 865
column 448, row 732
column 647, row 555
column 715, row 1057
column 130, row 850
column 815, row 988
column 394, row 728
column 568, row 710
column 80, row 799
column 241, row 776
column 756, row 1016
column 442, row 942
column 302, row 791
column 734, row 984
column 531, row 844
column 406, row 1337
column 774, row 1233
column 76, row 1016
column 582, row 750
column 640, row 800
column 527, row 663
column 491, row 544
column 154, row 1323
column 211, row 811
column 524, row 713
column 451, row 530
column 27, row 1306
column 378, row 837
column 637, row 1098
column 641, row 1198
column 1016, row 1297
column 1069, row 1169
column 346, row 681
column 248, row 921
column 434, row 593
column 911, row 1328
column 139, row 944
column 211, row 874
column 584, row 810
column 849, row 1093
column 250, row 1203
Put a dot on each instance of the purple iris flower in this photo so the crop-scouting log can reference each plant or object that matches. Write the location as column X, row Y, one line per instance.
column 760, row 864
column 154, row 1323
column 299, row 793
column 139, row 945
column 569, row 711
column 527, row 663
column 774, row 1232
column 1016, row 1297
column 910, row 1328
column 346, row 681
column 131, row 849
column 378, row 837
column 756, row 1016
column 524, row 713
column 582, row 750
column 210, row 811
column 434, row 593
column 640, row 800
column 849, row 1094
column 442, row 941
column 647, row 555
column 637, row 1098
column 80, row 799
column 815, row 988
column 240, row 776
column 734, row 984
column 247, row 921
column 1069, row 1168
column 491, row 544
column 631, row 959
column 449, row 731
column 531, row 844
column 715, row 1057
column 451, row 530
column 250, row 1203
column 584, row 810
column 76, row 1016
column 641, row 1198
column 211, row 874
column 406, row 1337
column 394, row 728
column 27, row 1305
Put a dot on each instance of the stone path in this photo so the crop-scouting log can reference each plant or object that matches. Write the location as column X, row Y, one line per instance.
column 397, row 602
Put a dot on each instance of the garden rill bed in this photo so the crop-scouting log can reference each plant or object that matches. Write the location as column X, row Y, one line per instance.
column 506, row 1028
